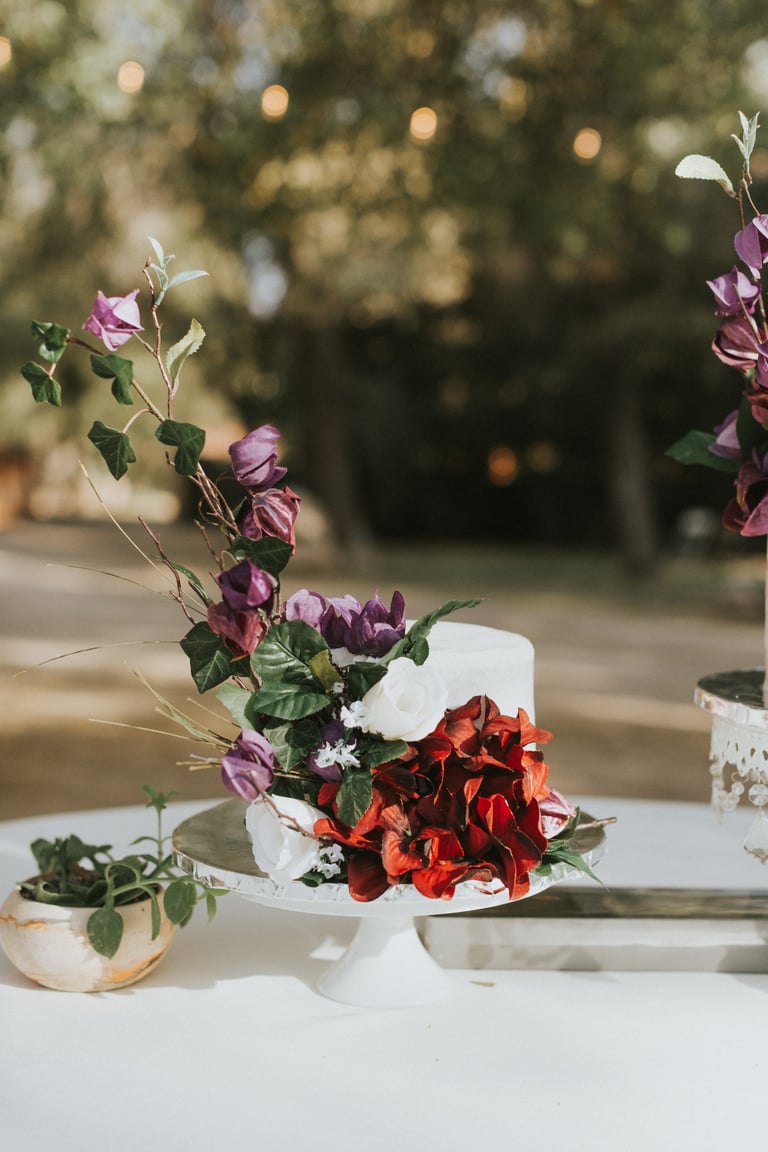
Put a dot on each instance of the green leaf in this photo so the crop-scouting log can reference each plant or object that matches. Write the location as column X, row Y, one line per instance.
column 236, row 700
column 209, row 659
column 105, row 930
column 562, row 855
column 179, row 901
column 383, row 751
column 53, row 338
column 293, row 742
column 413, row 643
column 282, row 662
column 119, row 371
column 188, row 439
column 193, row 579
column 189, row 343
column 354, row 796
column 184, row 277
column 270, row 554
column 696, row 167
column 324, row 670
column 114, row 446
column 156, row 917
column 694, row 449
column 299, row 789
column 362, row 676
column 44, row 388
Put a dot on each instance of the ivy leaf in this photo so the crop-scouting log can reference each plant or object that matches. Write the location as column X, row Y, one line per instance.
column 269, row 553
column 289, row 687
column 354, row 796
column 293, row 742
column 45, row 389
column 694, row 449
column 209, row 658
column 179, row 901
column 188, row 439
column 53, row 339
column 194, row 579
column 114, row 446
column 105, row 930
column 119, row 371
column 305, row 789
column 189, row 344
column 413, row 644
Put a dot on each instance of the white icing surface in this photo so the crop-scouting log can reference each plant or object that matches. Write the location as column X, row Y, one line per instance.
column 475, row 660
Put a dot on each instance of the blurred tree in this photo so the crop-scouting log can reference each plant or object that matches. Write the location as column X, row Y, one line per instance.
column 447, row 246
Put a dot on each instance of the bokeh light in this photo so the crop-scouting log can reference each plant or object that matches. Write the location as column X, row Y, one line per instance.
column 130, row 77
column 423, row 124
column 5, row 51
column 274, row 102
column 587, row 143
column 502, row 466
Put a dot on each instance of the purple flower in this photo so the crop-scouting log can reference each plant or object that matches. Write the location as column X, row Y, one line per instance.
column 736, row 343
column 733, row 293
column 254, row 459
column 751, row 244
column 114, row 319
column 747, row 512
column 726, row 443
column 272, row 513
column 307, row 606
column 248, row 768
column 339, row 615
column 377, row 629
column 247, row 586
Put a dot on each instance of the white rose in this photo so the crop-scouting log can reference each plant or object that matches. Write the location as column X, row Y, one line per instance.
column 279, row 850
column 407, row 703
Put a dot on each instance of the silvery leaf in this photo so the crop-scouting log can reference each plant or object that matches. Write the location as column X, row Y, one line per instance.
column 695, row 167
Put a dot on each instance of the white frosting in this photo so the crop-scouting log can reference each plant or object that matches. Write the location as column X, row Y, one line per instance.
column 475, row 660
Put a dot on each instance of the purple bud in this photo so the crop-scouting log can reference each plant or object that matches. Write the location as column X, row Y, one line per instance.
column 272, row 513
column 307, row 606
column 247, row 769
column 114, row 319
column 734, row 292
column 245, row 586
column 726, row 443
column 751, row 244
column 254, row 459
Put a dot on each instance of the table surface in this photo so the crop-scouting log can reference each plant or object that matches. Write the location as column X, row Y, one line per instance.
column 227, row 1040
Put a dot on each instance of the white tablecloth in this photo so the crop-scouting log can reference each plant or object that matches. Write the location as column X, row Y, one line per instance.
column 228, row 1045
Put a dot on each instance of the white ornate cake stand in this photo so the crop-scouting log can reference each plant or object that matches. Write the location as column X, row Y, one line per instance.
column 386, row 965
column 739, row 745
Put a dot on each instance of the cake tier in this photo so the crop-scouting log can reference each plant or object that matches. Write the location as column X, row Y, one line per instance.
column 475, row 660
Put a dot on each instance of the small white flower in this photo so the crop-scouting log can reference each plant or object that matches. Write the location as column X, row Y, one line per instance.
column 354, row 714
column 338, row 753
column 329, row 861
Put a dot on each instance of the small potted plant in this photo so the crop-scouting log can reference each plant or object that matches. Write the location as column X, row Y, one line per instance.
column 90, row 922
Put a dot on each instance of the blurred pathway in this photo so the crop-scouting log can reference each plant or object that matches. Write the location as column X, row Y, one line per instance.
column 614, row 680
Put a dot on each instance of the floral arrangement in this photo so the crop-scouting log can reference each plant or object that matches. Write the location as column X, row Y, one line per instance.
column 353, row 769
column 739, row 445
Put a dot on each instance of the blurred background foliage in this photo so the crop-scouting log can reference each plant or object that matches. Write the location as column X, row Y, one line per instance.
column 448, row 253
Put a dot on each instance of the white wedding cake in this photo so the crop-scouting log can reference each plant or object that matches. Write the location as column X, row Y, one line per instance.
column 474, row 660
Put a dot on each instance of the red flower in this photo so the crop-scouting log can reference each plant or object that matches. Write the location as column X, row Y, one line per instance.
column 462, row 804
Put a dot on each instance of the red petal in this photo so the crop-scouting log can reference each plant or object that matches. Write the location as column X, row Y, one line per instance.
column 367, row 878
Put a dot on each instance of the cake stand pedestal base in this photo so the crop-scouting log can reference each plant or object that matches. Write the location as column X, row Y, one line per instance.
column 385, row 966
column 739, row 747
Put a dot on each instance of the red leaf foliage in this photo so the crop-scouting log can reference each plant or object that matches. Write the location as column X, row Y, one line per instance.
column 462, row 804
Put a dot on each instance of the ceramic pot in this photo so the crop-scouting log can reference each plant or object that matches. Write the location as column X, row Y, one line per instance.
column 50, row 945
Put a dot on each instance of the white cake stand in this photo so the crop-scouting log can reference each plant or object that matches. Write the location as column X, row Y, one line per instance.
column 386, row 964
